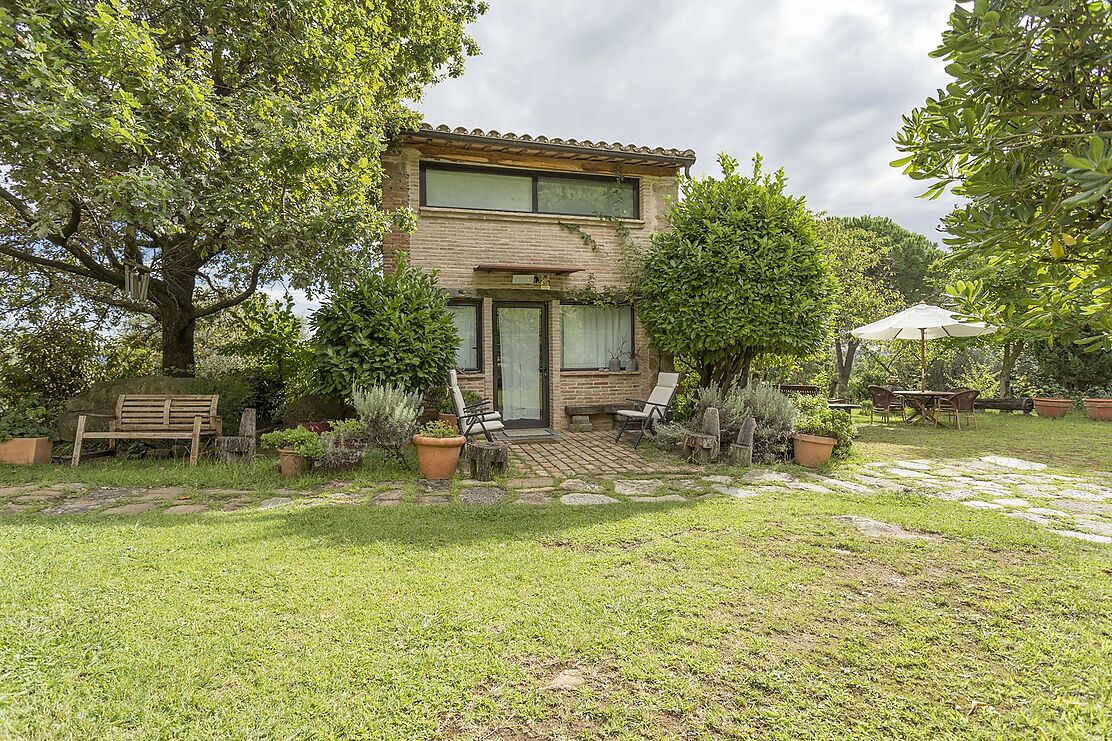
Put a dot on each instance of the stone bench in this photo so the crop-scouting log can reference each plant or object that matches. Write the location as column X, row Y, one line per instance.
column 581, row 414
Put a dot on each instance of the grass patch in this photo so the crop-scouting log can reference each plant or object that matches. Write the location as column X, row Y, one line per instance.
column 722, row 618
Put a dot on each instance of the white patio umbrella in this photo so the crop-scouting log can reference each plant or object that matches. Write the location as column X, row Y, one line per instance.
column 921, row 322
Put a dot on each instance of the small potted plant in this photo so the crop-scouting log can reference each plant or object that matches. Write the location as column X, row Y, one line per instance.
column 344, row 445
column 24, row 436
column 1098, row 404
column 820, row 432
column 438, row 448
column 616, row 354
column 298, row 449
column 1052, row 401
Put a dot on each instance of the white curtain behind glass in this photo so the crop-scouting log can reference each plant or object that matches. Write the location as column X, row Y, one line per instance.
column 590, row 335
column 467, row 352
column 519, row 342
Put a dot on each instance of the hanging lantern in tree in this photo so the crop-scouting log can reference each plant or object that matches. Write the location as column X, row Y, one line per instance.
column 137, row 279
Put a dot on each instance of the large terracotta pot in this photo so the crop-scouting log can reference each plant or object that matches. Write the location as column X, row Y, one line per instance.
column 1051, row 407
column 437, row 457
column 813, row 451
column 1099, row 409
column 25, row 451
column 291, row 464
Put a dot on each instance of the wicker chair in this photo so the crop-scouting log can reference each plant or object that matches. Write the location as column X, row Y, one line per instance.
column 961, row 403
column 885, row 403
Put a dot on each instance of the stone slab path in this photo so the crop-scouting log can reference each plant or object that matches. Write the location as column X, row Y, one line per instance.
column 1072, row 506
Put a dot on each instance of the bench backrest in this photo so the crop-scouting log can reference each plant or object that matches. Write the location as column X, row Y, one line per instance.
column 155, row 412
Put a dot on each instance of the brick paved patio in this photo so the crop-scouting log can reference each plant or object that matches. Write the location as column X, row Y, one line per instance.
column 591, row 453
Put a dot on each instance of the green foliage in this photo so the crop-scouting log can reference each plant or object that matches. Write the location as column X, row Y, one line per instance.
column 909, row 261
column 667, row 435
column 302, row 441
column 391, row 328
column 816, row 418
column 1023, row 134
column 344, row 444
column 25, row 416
column 1067, row 366
column 53, row 360
column 773, row 416
column 437, row 429
column 389, row 414
column 739, row 272
column 223, row 144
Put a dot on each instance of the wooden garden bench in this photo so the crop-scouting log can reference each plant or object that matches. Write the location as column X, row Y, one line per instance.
column 155, row 417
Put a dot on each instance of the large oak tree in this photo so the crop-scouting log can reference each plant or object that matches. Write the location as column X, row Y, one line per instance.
column 220, row 144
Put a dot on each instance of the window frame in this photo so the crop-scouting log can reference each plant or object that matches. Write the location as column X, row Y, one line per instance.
column 535, row 175
column 632, row 333
column 478, row 307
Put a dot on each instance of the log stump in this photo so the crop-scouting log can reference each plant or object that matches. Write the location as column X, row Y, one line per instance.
column 486, row 458
column 239, row 448
column 742, row 451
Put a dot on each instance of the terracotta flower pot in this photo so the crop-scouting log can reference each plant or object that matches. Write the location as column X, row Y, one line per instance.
column 291, row 464
column 1099, row 410
column 437, row 457
column 25, row 451
column 448, row 419
column 813, row 450
column 1051, row 407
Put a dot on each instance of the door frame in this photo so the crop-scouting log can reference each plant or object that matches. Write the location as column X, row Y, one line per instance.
column 545, row 364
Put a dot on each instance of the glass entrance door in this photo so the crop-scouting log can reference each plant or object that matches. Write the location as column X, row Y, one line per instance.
column 521, row 363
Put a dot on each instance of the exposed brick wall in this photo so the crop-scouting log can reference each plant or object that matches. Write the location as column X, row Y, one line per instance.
column 454, row 241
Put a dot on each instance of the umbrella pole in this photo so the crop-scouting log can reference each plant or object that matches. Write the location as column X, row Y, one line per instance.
column 922, row 360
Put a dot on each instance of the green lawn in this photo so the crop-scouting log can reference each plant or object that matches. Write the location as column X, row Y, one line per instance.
column 720, row 618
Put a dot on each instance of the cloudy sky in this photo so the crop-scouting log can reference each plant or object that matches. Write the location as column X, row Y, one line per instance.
column 816, row 86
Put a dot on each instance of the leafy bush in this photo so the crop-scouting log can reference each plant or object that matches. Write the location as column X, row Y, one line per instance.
column 389, row 414
column 438, row 429
column 816, row 418
column 392, row 328
column 25, row 417
column 53, row 360
column 773, row 416
column 345, row 444
column 267, row 334
column 668, row 435
column 304, row 442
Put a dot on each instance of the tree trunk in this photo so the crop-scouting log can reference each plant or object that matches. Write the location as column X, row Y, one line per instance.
column 177, row 344
column 843, row 361
column 1012, row 350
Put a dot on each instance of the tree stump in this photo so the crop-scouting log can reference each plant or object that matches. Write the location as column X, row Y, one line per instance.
column 742, row 452
column 486, row 458
column 705, row 446
column 239, row 448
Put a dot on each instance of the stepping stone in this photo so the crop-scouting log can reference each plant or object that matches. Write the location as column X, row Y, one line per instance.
column 1012, row 502
column 1017, row 464
column 16, row 509
column 915, row 465
column 583, row 498
column 886, row 484
column 482, row 495
column 163, row 493
column 433, row 500
column 275, row 502
column 766, row 477
column 343, row 497
column 1083, row 495
column 1035, row 490
column 390, row 495
column 907, row 473
column 804, row 486
column 130, row 509
column 1092, row 538
column 665, row 498
column 185, row 509
column 566, row 680
column 957, row 495
column 37, row 497
column 688, row 484
column 735, row 492
column 1037, row 519
column 532, row 482
column 875, row 528
column 9, row 490
column 429, row 486
column 69, row 486
column 718, row 479
column 1048, row 512
column 88, row 502
column 228, row 492
column 1095, row 526
column 579, row 485
column 533, row 497
column 633, row 487
column 975, row 504
column 1089, row 508
column 847, row 485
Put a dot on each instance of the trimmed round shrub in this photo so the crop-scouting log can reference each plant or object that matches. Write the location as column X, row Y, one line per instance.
column 387, row 329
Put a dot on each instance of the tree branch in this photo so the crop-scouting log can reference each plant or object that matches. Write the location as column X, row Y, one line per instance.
column 246, row 293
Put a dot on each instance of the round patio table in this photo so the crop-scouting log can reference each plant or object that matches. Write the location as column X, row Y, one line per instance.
column 923, row 404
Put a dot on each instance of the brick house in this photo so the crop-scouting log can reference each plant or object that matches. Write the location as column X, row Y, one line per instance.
column 511, row 223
